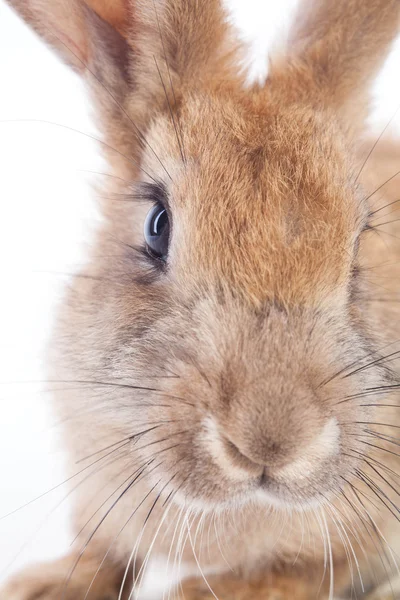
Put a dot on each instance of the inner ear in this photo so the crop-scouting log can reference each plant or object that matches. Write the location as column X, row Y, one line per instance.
column 108, row 53
column 114, row 12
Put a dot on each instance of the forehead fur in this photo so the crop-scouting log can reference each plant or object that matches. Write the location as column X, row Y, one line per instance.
column 264, row 201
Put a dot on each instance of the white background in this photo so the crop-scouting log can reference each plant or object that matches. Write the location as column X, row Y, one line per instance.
column 46, row 215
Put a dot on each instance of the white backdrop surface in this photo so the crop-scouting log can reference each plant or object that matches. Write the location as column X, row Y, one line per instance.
column 46, row 216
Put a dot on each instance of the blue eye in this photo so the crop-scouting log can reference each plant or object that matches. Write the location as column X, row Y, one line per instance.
column 156, row 231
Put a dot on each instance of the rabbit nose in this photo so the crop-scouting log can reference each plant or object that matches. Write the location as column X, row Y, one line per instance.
column 261, row 455
column 257, row 456
column 241, row 459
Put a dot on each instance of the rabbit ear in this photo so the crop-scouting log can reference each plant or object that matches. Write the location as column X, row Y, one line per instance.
column 336, row 50
column 182, row 41
column 137, row 55
column 68, row 24
column 188, row 40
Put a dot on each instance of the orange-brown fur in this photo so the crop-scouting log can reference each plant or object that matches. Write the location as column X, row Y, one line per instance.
column 238, row 345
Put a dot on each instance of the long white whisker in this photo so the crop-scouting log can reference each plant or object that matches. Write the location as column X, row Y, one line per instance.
column 324, row 541
column 198, row 562
column 118, row 534
column 302, row 538
column 148, row 554
column 330, row 554
column 218, row 541
column 346, row 544
column 179, row 515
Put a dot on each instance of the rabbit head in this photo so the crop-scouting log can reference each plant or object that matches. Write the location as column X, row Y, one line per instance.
column 223, row 304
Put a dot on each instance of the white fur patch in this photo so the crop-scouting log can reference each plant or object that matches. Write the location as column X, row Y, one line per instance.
column 218, row 453
column 160, row 578
column 326, row 444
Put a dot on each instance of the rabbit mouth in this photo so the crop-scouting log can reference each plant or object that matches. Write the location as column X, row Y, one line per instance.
column 279, row 479
column 282, row 495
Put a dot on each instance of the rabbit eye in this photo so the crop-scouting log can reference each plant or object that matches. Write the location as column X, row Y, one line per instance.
column 156, row 231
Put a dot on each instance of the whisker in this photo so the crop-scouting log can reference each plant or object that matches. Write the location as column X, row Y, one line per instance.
column 136, row 547
column 384, row 479
column 377, row 142
column 169, row 77
column 375, row 423
column 103, row 175
column 135, row 550
column 170, row 111
column 383, row 232
column 89, row 539
column 164, row 449
column 382, row 405
column 120, row 532
column 381, row 539
column 370, row 364
column 197, row 560
column 100, row 384
column 57, row 486
column 384, row 264
column 371, row 522
column 363, row 457
column 142, row 139
column 355, row 362
column 386, row 438
column 346, row 521
column 383, row 207
column 48, row 515
column 382, row 185
column 379, row 448
column 126, row 440
column 173, row 537
column 105, row 501
column 386, row 223
column 378, row 493
column 88, row 135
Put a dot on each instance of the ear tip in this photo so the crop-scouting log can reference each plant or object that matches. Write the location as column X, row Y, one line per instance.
column 67, row 41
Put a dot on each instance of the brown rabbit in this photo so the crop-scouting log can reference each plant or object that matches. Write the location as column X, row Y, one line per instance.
column 226, row 364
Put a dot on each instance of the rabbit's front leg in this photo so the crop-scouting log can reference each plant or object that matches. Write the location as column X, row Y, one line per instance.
column 56, row 581
column 230, row 587
column 388, row 591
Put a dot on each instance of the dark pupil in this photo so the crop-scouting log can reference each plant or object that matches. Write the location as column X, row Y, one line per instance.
column 157, row 231
column 158, row 222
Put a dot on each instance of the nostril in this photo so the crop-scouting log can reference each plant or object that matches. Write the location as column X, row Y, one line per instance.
column 243, row 461
column 240, row 459
column 258, row 451
column 232, row 449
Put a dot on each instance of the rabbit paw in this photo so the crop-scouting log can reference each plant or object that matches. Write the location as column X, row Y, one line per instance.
column 35, row 588
column 387, row 592
column 236, row 589
column 49, row 582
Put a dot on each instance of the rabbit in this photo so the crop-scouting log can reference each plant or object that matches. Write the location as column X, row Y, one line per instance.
column 225, row 366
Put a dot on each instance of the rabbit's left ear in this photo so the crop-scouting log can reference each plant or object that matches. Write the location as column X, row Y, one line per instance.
column 137, row 43
column 74, row 28
column 137, row 55
column 336, row 50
